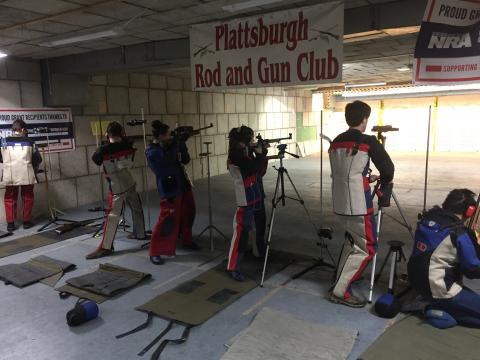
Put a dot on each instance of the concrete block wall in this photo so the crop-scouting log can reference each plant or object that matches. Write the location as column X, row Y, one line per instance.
column 76, row 180
column 120, row 97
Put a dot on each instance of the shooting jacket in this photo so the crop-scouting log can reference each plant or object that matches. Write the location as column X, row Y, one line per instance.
column 246, row 168
column 444, row 251
column 350, row 154
column 117, row 160
column 166, row 162
column 20, row 158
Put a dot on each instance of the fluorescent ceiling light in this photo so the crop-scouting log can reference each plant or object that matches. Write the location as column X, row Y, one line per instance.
column 2, row 54
column 403, row 69
column 412, row 90
column 351, row 86
column 248, row 4
column 84, row 37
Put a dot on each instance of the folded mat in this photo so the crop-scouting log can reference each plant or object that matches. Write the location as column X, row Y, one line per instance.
column 276, row 335
column 105, row 282
column 34, row 270
column 411, row 338
column 45, row 238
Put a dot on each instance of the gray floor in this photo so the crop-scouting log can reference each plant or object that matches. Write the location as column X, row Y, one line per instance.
column 33, row 319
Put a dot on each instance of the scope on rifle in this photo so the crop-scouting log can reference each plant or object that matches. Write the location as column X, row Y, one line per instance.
column 271, row 141
column 384, row 128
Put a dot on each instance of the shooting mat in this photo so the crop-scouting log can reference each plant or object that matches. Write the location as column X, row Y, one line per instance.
column 105, row 282
column 412, row 338
column 195, row 301
column 35, row 241
column 36, row 269
column 276, row 335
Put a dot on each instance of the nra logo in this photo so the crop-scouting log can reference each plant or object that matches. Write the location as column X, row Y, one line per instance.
column 450, row 41
column 421, row 246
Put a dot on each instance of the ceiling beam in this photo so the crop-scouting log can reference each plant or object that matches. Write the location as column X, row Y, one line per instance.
column 176, row 53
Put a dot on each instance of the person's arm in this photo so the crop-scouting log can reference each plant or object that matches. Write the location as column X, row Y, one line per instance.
column 247, row 165
column 468, row 255
column 184, row 155
column 382, row 161
column 97, row 156
column 36, row 157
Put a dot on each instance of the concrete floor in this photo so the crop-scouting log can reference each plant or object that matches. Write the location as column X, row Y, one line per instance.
column 33, row 318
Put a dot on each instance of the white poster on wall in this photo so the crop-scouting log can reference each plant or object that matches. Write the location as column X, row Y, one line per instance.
column 294, row 47
column 46, row 126
column 448, row 45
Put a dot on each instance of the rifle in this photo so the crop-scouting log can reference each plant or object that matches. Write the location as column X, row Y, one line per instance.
column 183, row 133
column 265, row 143
column 73, row 225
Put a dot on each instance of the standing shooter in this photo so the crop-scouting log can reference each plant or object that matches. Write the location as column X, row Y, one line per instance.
column 350, row 154
column 20, row 159
column 245, row 165
column 117, row 156
column 166, row 157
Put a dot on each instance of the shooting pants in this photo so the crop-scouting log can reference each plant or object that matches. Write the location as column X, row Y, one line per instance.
column 358, row 249
column 10, row 201
column 464, row 307
column 175, row 220
column 242, row 224
column 114, row 211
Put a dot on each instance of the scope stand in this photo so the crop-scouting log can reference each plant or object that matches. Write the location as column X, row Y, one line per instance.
column 210, row 227
column 280, row 197
column 382, row 139
column 52, row 210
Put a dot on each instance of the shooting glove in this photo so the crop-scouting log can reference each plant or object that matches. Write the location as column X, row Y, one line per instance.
column 384, row 194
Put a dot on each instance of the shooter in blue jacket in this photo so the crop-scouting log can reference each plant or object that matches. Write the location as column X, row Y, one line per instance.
column 166, row 156
column 444, row 251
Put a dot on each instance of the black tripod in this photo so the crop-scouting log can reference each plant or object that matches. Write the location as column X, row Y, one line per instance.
column 279, row 196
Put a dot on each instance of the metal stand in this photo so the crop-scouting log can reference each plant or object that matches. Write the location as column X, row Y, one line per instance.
column 210, row 227
column 279, row 196
column 426, row 160
column 382, row 139
column 397, row 255
column 145, row 189
column 52, row 210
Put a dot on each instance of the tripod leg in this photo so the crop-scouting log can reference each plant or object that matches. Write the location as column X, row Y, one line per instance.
column 392, row 272
column 219, row 232
column 377, row 276
column 270, row 226
column 400, row 210
column 374, row 262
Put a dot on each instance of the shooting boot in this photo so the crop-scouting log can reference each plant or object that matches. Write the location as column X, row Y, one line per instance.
column 11, row 227
column 28, row 224
column 157, row 260
column 99, row 253
column 352, row 301
column 237, row 275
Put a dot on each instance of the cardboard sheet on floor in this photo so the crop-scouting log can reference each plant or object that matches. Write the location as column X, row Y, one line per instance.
column 105, row 282
column 276, row 335
column 34, row 241
column 412, row 338
column 34, row 270
column 195, row 301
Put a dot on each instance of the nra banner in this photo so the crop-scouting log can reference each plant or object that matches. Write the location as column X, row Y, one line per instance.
column 52, row 124
column 295, row 47
column 448, row 45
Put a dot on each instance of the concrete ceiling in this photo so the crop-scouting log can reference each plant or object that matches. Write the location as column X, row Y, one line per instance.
column 26, row 25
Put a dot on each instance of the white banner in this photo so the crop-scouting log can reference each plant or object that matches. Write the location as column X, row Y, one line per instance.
column 294, row 47
column 52, row 124
column 448, row 47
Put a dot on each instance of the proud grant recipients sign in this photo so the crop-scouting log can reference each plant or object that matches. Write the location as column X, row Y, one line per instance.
column 295, row 47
